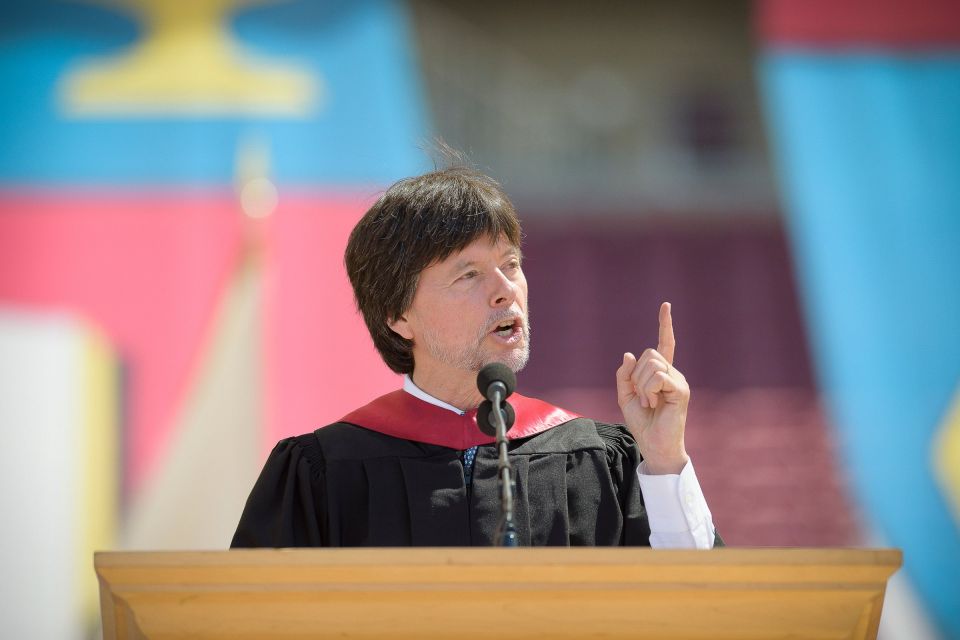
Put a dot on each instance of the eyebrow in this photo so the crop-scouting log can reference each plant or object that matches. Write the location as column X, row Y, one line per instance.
column 512, row 252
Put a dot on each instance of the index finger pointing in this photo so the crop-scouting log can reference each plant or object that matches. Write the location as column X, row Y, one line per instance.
column 667, row 343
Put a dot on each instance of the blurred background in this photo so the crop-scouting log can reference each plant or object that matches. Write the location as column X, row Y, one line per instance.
column 178, row 179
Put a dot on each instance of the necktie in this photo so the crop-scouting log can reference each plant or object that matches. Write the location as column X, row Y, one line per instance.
column 469, row 455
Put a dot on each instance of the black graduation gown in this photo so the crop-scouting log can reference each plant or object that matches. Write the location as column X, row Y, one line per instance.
column 351, row 485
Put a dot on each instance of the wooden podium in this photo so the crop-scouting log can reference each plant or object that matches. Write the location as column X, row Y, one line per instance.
column 495, row 593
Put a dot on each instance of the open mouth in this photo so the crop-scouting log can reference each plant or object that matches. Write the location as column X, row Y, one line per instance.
column 507, row 328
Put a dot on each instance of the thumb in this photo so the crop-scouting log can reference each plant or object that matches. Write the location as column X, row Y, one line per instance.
column 625, row 390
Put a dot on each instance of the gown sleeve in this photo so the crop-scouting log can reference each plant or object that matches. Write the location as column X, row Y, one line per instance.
column 286, row 506
column 623, row 457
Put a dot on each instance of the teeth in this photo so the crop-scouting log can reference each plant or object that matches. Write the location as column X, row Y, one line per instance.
column 505, row 328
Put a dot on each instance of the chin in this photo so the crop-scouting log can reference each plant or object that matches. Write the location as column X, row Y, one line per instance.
column 516, row 360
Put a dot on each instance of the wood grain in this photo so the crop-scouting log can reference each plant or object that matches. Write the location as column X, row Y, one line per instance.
column 507, row 593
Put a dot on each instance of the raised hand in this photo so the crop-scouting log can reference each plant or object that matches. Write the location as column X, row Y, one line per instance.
column 653, row 396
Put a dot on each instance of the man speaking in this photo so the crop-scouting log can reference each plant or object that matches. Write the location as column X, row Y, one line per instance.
column 435, row 266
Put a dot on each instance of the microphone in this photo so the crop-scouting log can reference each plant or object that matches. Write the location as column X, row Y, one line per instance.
column 494, row 377
column 485, row 418
column 494, row 416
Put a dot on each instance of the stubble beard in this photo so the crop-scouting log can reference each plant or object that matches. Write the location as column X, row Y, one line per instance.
column 474, row 356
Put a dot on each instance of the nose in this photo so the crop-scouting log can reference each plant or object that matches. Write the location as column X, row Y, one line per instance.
column 504, row 292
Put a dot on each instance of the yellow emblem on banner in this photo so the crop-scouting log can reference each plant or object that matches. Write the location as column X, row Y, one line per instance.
column 946, row 457
column 187, row 63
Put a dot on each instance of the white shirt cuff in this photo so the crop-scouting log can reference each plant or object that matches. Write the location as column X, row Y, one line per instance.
column 676, row 509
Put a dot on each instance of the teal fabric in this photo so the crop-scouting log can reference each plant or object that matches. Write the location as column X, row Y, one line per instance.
column 868, row 147
column 366, row 126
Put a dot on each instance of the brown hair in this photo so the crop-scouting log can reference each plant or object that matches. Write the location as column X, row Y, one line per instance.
column 419, row 221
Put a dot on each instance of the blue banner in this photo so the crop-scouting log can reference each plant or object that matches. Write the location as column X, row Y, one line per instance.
column 869, row 155
column 171, row 92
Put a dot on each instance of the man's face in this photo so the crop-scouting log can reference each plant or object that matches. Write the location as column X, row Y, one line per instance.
column 469, row 310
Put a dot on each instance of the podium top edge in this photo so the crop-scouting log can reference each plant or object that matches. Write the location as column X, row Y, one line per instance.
column 757, row 556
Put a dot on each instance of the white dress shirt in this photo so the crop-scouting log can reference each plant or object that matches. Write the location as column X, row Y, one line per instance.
column 676, row 509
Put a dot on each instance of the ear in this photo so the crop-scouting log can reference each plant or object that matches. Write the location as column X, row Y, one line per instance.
column 401, row 327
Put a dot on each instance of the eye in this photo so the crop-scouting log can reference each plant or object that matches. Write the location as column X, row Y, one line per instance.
column 512, row 265
column 469, row 275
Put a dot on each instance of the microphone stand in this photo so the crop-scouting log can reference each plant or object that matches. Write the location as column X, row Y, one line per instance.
column 506, row 535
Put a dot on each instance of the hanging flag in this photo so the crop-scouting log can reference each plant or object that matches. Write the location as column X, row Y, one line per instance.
column 863, row 100
column 180, row 178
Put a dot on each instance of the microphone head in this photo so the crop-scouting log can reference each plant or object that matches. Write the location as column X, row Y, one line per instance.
column 485, row 417
column 496, row 372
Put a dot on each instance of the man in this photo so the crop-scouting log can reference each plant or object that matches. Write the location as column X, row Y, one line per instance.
column 435, row 266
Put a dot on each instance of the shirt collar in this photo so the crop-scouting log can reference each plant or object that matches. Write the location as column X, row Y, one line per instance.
column 417, row 392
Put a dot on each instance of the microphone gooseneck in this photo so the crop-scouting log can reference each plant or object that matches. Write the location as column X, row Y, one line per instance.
column 494, row 417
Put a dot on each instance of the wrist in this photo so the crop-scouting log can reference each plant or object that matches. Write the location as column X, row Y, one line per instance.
column 665, row 466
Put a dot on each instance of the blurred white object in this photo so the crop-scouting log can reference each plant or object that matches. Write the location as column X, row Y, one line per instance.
column 58, row 470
